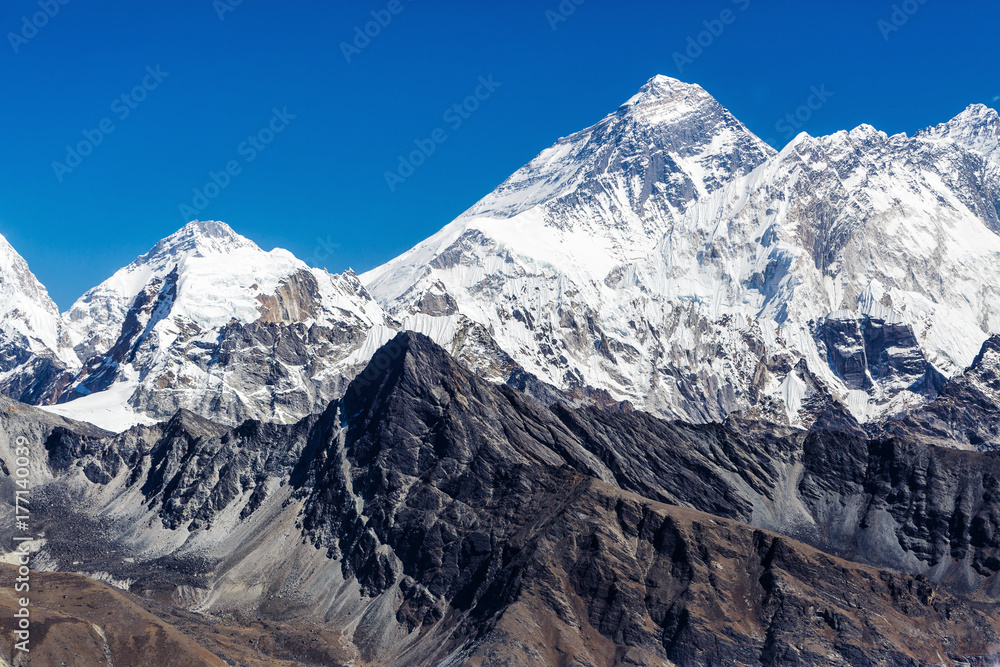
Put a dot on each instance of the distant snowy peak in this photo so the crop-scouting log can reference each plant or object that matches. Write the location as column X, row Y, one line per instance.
column 664, row 99
column 526, row 277
column 876, row 255
column 668, row 256
column 198, row 238
column 220, row 277
column 597, row 198
column 976, row 128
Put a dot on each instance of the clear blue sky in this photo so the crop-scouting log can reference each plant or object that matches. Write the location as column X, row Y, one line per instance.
column 323, row 176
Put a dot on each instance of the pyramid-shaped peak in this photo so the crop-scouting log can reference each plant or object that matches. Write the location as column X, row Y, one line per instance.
column 666, row 91
column 209, row 232
column 200, row 238
column 209, row 228
column 666, row 85
column 411, row 358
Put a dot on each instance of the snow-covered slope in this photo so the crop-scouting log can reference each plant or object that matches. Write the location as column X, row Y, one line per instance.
column 96, row 318
column 35, row 349
column 208, row 321
column 664, row 256
column 670, row 258
column 876, row 258
column 526, row 268
column 598, row 197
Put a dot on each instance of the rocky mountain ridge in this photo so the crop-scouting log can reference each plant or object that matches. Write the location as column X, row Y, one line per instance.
column 397, row 517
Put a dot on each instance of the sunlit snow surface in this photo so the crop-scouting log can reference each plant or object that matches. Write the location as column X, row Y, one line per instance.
column 107, row 409
column 28, row 316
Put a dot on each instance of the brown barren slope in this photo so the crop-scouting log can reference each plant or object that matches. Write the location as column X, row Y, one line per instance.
column 79, row 622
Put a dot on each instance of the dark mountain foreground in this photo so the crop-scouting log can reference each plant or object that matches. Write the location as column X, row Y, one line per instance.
column 432, row 518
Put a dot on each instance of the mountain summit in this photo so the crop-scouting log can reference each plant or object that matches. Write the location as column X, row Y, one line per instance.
column 198, row 238
column 205, row 319
column 209, row 253
column 522, row 277
column 671, row 139
column 663, row 98
column 670, row 258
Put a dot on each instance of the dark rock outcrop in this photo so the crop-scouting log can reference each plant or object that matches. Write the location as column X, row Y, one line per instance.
column 966, row 413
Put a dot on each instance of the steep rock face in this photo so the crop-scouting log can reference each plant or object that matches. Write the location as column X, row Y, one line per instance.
column 905, row 505
column 966, row 413
column 432, row 516
column 209, row 322
column 35, row 350
column 865, row 353
column 886, row 502
column 617, row 581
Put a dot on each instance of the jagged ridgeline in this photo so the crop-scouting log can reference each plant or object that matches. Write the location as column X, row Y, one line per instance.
column 430, row 517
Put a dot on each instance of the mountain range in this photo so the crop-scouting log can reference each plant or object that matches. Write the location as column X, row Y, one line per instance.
column 664, row 258
column 667, row 396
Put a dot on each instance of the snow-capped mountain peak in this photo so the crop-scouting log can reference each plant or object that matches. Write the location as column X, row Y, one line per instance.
column 665, row 99
column 199, row 238
column 533, row 262
column 96, row 317
column 670, row 136
column 210, row 314
column 976, row 128
column 669, row 257
column 665, row 255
